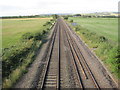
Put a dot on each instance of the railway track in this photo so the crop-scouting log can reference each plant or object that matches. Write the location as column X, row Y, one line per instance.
column 52, row 75
column 80, row 61
column 51, row 72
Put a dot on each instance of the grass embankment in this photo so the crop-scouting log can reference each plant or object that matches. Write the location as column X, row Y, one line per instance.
column 21, row 40
column 101, row 35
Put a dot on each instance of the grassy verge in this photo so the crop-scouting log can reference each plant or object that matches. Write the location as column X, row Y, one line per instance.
column 103, row 41
column 17, row 57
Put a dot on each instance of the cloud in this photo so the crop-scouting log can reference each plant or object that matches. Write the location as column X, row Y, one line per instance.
column 26, row 7
column 10, row 8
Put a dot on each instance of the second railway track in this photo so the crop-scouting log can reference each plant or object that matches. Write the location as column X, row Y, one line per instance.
column 81, row 64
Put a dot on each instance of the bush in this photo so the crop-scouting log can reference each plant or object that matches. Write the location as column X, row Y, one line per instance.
column 44, row 32
column 51, row 20
column 37, row 36
column 77, row 28
column 71, row 21
column 48, row 23
column 102, row 39
column 27, row 36
column 66, row 17
column 55, row 16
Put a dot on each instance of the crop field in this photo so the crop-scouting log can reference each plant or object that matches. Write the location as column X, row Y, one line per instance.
column 101, row 35
column 13, row 29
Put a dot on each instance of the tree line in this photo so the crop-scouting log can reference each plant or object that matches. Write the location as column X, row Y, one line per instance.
column 31, row 16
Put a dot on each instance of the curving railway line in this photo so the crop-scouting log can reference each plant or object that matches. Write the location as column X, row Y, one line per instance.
column 66, row 66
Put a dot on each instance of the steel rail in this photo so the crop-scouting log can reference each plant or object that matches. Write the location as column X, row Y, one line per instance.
column 74, row 57
column 84, row 62
column 49, row 57
column 58, row 74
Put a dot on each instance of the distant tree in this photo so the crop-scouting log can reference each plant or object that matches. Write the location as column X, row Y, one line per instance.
column 77, row 15
column 55, row 16
column 66, row 17
column 89, row 16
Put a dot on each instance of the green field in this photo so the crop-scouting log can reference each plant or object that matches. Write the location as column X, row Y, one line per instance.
column 101, row 35
column 21, row 40
column 13, row 29
column 101, row 26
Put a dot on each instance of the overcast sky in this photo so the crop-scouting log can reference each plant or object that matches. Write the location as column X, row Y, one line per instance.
column 32, row 7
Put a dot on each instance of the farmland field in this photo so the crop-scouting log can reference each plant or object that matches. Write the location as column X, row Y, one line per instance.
column 101, row 35
column 102, row 26
column 21, row 39
column 13, row 29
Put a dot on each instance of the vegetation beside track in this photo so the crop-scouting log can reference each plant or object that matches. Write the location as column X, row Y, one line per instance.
column 21, row 41
column 101, row 35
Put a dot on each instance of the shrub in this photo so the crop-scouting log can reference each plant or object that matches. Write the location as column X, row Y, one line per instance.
column 52, row 20
column 102, row 38
column 77, row 28
column 27, row 36
column 44, row 25
column 48, row 23
column 44, row 32
column 55, row 16
column 37, row 36
column 71, row 21
column 66, row 17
